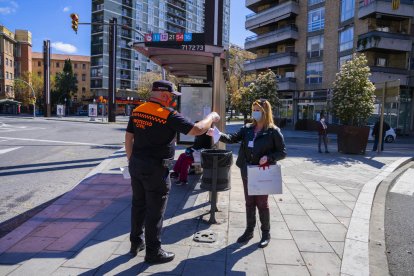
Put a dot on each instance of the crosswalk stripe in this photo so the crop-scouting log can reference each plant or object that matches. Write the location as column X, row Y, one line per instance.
column 8, row 150
column 59, row 142
column 404, row 184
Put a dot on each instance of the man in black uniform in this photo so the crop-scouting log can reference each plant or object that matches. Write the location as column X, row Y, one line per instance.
column 149, row 145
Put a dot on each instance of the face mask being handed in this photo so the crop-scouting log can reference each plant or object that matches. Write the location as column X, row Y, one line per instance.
column 257, row 115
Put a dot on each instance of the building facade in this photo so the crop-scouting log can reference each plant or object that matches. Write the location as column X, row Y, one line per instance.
column 306, row 41
column 146, row 16
column 15, row 56
column 81, row 70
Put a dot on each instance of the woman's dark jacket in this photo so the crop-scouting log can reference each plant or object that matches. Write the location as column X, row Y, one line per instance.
column 268, row 142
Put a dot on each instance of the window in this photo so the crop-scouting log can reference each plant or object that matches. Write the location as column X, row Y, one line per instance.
column 83, row 66
column 316, row 19
column 313, row 2
column 7, row 75
column 83, row 77
column 381, row 62
column 11, row 76
column 39, row 63
column 76, row 66
column 83, row 90
column 39, row 74
column 7, row 62
column 347, row 9
column 57, row 64
column 315, row 46
column 76, row 76
column 343, row 60
column 346, row 39
column 314, row 72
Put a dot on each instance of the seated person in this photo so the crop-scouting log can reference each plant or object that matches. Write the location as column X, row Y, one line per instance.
column 185, row 159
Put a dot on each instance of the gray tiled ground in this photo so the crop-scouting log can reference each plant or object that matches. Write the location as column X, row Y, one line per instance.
column 309, row 224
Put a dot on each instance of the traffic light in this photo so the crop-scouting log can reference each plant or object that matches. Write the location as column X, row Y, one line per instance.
column 75, row 22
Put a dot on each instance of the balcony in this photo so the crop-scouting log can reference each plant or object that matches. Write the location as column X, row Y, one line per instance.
column 286, row 84
column 381, row 74
column 177, row 4
column 384, row 40
column 253, row 4
column 289, row 32
column 273, row 60
column 271, row 15
column 371, row 7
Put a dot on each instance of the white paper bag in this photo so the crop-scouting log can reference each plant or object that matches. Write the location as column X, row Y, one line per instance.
column 264, row 180
column 197, row 156
column 125, row 172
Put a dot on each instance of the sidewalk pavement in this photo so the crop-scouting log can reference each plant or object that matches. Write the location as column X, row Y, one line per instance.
column 319, row 225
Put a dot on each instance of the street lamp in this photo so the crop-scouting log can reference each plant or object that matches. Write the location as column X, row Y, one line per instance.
column 65, row 107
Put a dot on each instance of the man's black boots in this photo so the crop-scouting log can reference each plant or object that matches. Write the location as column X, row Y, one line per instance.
column 251, row 222
column 264, row 216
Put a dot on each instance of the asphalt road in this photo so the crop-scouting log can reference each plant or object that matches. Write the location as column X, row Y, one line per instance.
column 42, row 159
column 399, row 226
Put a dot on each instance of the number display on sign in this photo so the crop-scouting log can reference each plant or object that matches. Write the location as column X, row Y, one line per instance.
column 190, row 47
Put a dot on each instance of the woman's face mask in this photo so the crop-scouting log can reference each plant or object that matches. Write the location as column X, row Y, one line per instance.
column 257, row 115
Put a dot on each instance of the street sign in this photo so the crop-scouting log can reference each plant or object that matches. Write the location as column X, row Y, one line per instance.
column 60, row 110
column 183, row 41
column 92, row 110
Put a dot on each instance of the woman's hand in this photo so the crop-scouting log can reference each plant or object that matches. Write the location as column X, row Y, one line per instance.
column 210, row 132
column 263, row 160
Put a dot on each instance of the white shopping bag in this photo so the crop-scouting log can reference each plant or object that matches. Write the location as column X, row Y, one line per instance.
column 264, row 180
column 125, row 172
column 197, row 156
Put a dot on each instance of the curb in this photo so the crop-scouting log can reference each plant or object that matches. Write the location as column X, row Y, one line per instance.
column 355, row 259
column 377, row 246
column 24, row 229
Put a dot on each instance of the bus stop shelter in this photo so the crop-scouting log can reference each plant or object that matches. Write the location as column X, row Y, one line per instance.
column 205, row 62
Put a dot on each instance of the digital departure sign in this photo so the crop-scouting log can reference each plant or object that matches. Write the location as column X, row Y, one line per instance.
column 183, row 41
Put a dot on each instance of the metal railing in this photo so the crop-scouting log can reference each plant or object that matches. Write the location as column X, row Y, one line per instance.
column 273, row 56
column 291, row 27
column 270, row 7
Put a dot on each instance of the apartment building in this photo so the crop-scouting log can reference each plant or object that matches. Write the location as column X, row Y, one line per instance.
column 306, row 41
column 15, row 53
column 81, row 70
column 146, row 16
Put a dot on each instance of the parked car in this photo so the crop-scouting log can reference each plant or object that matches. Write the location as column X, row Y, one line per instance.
column 83, row 112
column 390, row 135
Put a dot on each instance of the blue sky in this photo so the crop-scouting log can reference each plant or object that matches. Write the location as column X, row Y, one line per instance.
column 49, row 19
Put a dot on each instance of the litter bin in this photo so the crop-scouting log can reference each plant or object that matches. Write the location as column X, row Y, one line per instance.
column 224, row 162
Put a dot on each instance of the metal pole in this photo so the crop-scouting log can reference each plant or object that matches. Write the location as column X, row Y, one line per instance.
column 380, row 136
column 213, row 207
column 46, row 76
column 112, row 69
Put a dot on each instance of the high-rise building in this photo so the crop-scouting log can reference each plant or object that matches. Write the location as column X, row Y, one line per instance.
column 306, row 42
column 146, row 16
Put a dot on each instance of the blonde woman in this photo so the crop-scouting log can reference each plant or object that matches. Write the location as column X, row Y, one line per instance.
column 261, row 142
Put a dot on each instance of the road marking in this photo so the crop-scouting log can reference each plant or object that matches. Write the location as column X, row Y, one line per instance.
column 61, row 142
column 8, row 150
column 404, row 184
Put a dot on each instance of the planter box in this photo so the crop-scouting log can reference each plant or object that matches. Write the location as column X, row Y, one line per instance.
column 352, row 139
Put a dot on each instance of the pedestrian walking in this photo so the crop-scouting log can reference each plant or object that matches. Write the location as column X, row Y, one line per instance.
column 323, row 134
column 149, row 145
column 261, row 143
column 184, row 161
column 375, row 133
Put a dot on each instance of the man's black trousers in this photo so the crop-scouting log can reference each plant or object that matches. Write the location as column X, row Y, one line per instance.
column 150, row 189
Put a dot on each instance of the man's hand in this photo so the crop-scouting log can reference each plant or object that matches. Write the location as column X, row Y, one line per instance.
column 214, row 116
column 210, row 132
